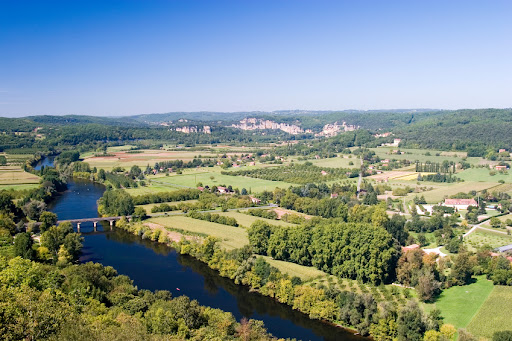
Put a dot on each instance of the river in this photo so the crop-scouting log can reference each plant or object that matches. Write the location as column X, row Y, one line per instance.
column 158, row 267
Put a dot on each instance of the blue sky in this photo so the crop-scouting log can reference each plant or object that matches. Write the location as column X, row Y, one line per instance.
column 132, row 57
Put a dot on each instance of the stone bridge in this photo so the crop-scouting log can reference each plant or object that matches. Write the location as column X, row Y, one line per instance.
column 95, row 221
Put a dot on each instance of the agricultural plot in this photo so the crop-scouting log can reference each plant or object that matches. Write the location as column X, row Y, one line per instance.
column 214, row 178
column 16, row 159
column 484, row 174
column 481, row 237
column 246, row 220
column 230, row 237
column 460, row 304
column 501, row 188
column 445, row 190
column 419, row 154
column 148, row 207
column 12, row 177
column 494, row 315
column 142, row 158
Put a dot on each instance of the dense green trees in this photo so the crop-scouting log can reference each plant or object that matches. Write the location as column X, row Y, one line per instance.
column 351, row 250
column 92, row 302
column 115, row 203
column 23, row 246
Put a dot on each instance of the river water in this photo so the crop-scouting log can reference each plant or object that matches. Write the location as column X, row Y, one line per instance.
column 157, row 267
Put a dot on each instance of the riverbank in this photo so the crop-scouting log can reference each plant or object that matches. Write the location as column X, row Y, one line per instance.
column 243, row 269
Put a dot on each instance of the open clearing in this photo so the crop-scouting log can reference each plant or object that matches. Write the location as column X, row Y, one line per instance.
column 230, row 237
column 459, row 304
column 247, row 220
column 494, row 315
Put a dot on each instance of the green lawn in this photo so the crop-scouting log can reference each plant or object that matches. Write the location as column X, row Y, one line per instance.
column 480, row 238
column 247, row 220
column 459, row 304
column 494, row 315
column 230, row 237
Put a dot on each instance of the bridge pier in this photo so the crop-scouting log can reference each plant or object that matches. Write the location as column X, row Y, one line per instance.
column 95, row 223
column 78, row 227
column 112, row 224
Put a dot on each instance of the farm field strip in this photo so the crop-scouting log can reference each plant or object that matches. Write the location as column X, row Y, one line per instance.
column 459, row 304
column 247, row 220
column 494, row 314
column 230, row 237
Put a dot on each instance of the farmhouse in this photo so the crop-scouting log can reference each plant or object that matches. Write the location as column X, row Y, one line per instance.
column 501, row 168
column 255, row 200
column 222, row 189
column 460, row 204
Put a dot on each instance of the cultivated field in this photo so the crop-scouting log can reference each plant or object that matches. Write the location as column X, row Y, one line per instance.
column 459, row 304
column 494, row 315
column 445, row 190
column 12, row 177
column 419, row 154
column 230, row 237
column 148, row 207
column 142, row 158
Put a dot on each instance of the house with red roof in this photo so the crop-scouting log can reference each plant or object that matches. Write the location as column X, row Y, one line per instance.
column 460, row 204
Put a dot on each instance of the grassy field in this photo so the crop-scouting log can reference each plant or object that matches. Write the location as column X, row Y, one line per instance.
column 480, row 238
column 482, row 175
column 494, row 315
column 305, row 273
column 190, row 179
column 459, row 304
column 247, row 220
column 336, row 162
column 148, row 207
column 230, row 237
